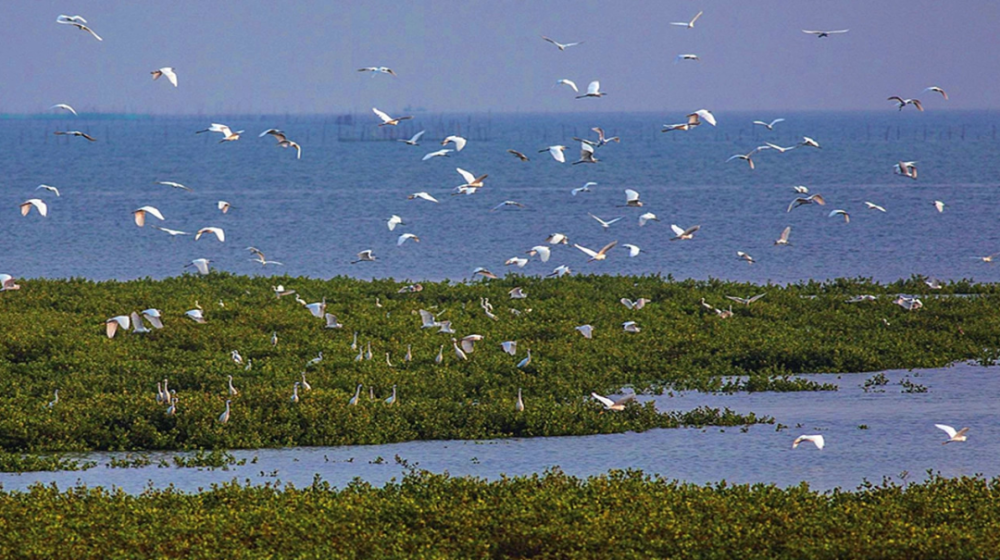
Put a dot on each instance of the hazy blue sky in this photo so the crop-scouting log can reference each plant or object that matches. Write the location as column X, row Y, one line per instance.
column 263, row 56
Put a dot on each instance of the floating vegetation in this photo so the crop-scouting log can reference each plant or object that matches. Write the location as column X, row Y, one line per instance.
column 215, row 459
column 551, row 515
column 54, row 339
column 27, row 462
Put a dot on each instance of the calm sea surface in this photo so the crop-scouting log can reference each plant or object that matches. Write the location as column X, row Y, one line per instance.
column 899, row 439
column 316, row 213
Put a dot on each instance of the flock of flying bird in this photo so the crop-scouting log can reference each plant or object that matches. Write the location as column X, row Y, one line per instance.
column 471, row 185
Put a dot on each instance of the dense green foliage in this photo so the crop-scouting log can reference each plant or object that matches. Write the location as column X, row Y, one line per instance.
column 53, row 338
column 619, row 515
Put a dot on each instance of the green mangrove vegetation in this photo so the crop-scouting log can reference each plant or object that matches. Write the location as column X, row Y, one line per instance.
column 53, row 338
column 624, row 514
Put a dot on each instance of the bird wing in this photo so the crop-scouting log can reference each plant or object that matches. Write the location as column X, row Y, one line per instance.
column 89, row 30
column 631, row 195
column 170, row 74
column 427, row 197
column 755, row 298
column 948, row 429
column 633, row 250
column 607, row 247
column 469, row 177
column 571, row 84
column 691, row 230
column 594, row 87
column 695, row 18
column 589, row 252
column 738, row 299
column 776, row 121
column 557, row 153
column 417, row 136
column 458, row 140
column 706, row 116
column 608, row 403
column 385, row 118
column 785, row 233
column 624, row 400
column 677, row 230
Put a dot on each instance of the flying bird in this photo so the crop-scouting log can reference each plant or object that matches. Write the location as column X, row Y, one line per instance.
column 632, row 198
column 570, row 83
column 960, row 435
column 682, row 234
column 681, row 57
column 166, row 72
column 636, row 305
column 813, row 198
column 507, row 203
column 223, row 206
column 770, row 125
column 64, row 106
column 585, row 188
column 906, row 169
column 745, row 257
column 630, row 327
column 821, row 34
column 557, row 238
column 387, row 120
column 394, row 221
column 483, row 272
column 747, row 300
column 816, row 439
column 556, row 152
column 633, row 250
column 647, row 217
column 458, row 140
column 201, row 265
column 542, row 251
column 600, row 255
column 781, row 149
column 422, row 195
column 77, row 22
column 75, row 133
column 472, row 183
column 687, row 24
column 604, row 224
column 807, row 141
column 936, row 89
column 402, row 239
column 174, row 185
column 593, row 90
column 695, row 118
column 904, row 102
column 51, row 189
column 283, row 141
column 601, row 138
column 783, row 238
column 217, row 231
column 227, row 134
column 609, row 404
column 586, row 330
column 839, row 212
column 560, row 271
column 938, row 205
column 377, row 70
column 139, row 215
column 112, row 325
column 413, row 141
column 365, row 256
column 518, row 154
column 439, row 153
column 562, row 46
column 745, row 157
column 520, row 262
column 586, row 154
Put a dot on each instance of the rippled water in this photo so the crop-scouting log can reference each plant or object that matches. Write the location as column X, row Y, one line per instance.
column 900, row 437
column 314, row 214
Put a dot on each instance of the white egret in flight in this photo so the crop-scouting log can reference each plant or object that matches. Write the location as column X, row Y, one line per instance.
column 816, row 439
column 904, row 102
column 439, row 153
column 770, row 125
column 570, row 83
column 681, row 234
column 64, row 106
column 600, row 255
column 593, row 90
column 365, row 256
column 783, row 238
column 839, row 212
column 821, row 34
column 224, row 417
column 561, row 46
column 633, row 250
column 617, row 405
column 36, row 203
column 556, row 152
column 283, row 141
column 518, row 154
column 458, row 140
column 586, row 330
column 953, row 435
column 585, row 188
column 936, row 89
column 227, row 134
column 75, row 133
column 140, row 214
column 687, row 24
column 112, row 325
column 217, row 231
column 604, row 224
column 77, row 22
column 413, row 141
column 166, row 72
column 387, row 120
column 201, row 265
column 375, row 70
column 422, row 195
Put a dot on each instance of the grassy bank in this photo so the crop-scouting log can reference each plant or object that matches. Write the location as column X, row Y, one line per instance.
column 53, row 338
column 620, row 515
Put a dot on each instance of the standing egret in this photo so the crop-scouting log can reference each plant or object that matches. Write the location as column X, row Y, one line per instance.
column 356, row 397
column 519, row 405
column 172, row 409
column 224, row 417
column 295, row 393
column 305, row 384
column 440, row 355
column 526, row 361
column 232, row 390
column 54, row 401
column 392, row 399
column 408, row 357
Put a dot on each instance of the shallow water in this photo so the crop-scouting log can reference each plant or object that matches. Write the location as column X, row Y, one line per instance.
column 900, row 438
column 316, row 213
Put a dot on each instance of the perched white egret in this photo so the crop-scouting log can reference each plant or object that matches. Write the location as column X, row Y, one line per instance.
column 354, row 342
column 519, row 405
column 387, row 120
column 585, row 188
column 873, row 206
column 357, row 396
column 526, row 361
column 811, row 199
column 237, row 358
column 570, row 83
column 392, row 399
column 167, row 72
column 224, row 417
column 227, row 133
column 414, row 140
column 54, row 401
column 637, row 304
column 375, row 70
column 904, row 102
column 687, row 24
column 953, row 435
column 617, row 405
column 938, row 205
column 64, row 107
column 36, row 203
column 112, row 325
column 459, row 353
column 557, row 153
column 816, row 439
column 365, row 256
column 681, row 234
column 408, row 357
column 821, row 34
column 543, row 252
column 316, row 360
column 295, row 393
column 604, row 223
column 440, row 355
column 839, row 212
column 217, row 231
column 600, row 255
column 593, row 90
column 76, row 133
column 402, row 239
column 936, row 89
column 422, row 195
column 283, row 141
column 630, row 327
column 201, row 265
column 747, row 300
column 172, row 409
column 770, row 125
column 78, row 22
column 561, row 46
column 586, row 330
